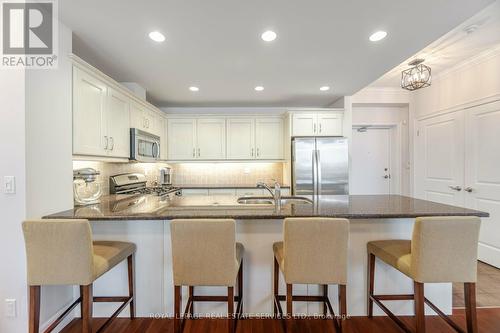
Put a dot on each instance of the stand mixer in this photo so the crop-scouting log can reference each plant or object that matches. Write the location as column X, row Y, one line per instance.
column 86, row 190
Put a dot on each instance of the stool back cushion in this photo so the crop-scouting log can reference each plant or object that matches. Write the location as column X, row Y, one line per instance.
column 444, row 249
column 315, row 250
column 204, row 252
column 59, row 252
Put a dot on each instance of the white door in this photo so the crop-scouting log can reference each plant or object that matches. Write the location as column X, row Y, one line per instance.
column 118, row 123
column 240, row 138
column 89, row 123
column 329, row 124
column 371, row 161
column 269, row 138
column 181, row 139
column 440, row 159
column 482, row 175
column 304, row 124
column 211, row 138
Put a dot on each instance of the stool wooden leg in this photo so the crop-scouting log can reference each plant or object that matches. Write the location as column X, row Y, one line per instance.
column 177, row 308
column 87, row 303
column 289, row 306
column 240, row 288
column 191, row 308
column 371, row 282
column 230, row 309
column 419, row 306
column 343, row 300
column 470, row 307
column 325, row 294
column 131, row 269
column 34, row 310
column 276, row 286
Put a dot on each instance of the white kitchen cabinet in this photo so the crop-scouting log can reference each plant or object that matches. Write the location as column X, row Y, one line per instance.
column 211, row 138
column 181, row 139
column 89, row 114
column 145, row 119
column 269, row 138
column 240, row 138
column 163, row 139
column 118, row 124
column 317, row 124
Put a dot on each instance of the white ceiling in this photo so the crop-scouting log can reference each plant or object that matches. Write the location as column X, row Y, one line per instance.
column 216, row 45
column 455, row 47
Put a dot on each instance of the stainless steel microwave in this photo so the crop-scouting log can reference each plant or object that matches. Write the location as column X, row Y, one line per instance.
column 144, row 146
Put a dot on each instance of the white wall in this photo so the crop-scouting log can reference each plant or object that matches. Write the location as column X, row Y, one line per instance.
column 12, row 206
column 49, row 152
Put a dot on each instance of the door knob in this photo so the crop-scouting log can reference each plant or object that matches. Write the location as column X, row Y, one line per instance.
column 456, row 188
column 468, row 189
column 387, row 176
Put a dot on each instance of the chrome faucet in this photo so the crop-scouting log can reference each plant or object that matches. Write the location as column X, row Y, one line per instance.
column 276, row 194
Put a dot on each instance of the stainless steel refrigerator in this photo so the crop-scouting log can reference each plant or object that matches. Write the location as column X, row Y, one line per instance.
column 320, row 166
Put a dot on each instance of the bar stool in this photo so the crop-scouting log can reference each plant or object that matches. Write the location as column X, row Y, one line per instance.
column 314, row 251
column 61, row 252
column 205, row 253
column 442, row 249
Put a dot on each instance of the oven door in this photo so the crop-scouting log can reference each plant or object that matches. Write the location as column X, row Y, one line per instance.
column 144, row 147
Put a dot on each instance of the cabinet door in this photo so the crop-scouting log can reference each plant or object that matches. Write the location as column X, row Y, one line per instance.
column 439, row 164
column 240, row 138
column 163, row 139
column 211, row 138
column 304, row 124
column 482, row 176
column 181, row 139
column 118, row 122
column 329, row 124
column 137, row 119
column 269, row 138
column 89, row 123
column 152, row 120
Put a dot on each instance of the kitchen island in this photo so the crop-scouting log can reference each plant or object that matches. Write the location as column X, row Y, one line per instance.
column 145, row 220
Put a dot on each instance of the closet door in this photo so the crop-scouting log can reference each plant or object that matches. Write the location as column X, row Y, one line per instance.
column 440, row 159
column 482, row 175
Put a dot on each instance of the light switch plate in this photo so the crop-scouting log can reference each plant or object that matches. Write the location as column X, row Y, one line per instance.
column 9, row 184
column 10, row 307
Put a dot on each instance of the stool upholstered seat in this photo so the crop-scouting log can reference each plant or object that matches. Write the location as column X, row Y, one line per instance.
column 61, row 252
column 205, row 253
column 442, row 250
column 314, row 251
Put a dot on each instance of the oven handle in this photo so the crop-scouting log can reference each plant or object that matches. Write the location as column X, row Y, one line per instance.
column 157, row 155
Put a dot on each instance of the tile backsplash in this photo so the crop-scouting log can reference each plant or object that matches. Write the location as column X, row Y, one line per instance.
column 190, row 173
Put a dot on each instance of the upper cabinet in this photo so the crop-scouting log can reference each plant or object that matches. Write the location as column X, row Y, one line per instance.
column 104, row 112
column 255, row 138
column 317, row 124
column 193, row 139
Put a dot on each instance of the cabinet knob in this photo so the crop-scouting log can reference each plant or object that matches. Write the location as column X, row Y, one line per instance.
column 456, row 188
column 112, row 143
column 468, row 189
column 105, row 142
column 320, row 127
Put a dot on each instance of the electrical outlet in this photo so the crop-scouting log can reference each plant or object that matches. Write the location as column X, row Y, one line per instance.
column 9, row 184
column 10, row 307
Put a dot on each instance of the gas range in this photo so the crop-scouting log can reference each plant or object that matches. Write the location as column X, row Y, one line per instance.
column 135, row 183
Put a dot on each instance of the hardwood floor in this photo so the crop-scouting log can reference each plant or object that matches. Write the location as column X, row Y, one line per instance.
column 488, row 319
column 488, row 288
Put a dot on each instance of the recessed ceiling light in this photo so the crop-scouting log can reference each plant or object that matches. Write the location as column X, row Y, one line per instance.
column 157, row 36
column 259, row 88
column 324, row 88
column 379, row 35
column 193, row 88
column 268, row 36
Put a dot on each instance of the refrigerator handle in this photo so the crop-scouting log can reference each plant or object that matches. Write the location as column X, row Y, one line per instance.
column 314, row 183
column 318, row 171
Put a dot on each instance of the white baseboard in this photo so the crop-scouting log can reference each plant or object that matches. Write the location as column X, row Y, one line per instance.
column 489, row 254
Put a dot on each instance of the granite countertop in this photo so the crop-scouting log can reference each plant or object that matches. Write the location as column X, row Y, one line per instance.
column 150, row 207
column 196, row 186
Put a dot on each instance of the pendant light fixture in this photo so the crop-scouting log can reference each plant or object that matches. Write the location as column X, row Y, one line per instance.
column 416, row 77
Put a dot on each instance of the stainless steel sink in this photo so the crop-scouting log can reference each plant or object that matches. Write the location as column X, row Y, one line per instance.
column 255, row 201
column 285, row 200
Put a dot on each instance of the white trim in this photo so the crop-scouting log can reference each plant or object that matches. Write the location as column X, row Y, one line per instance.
column 489, row 254
column 462, row 106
